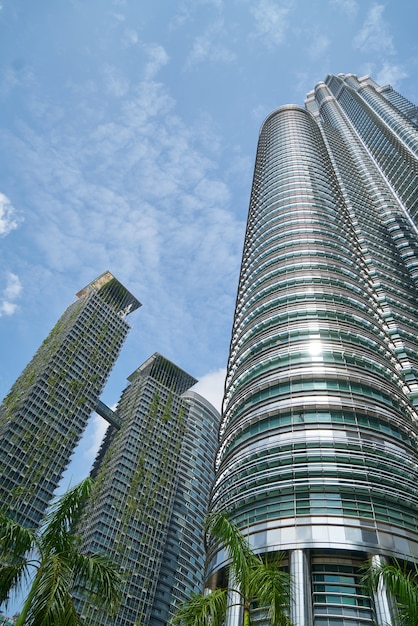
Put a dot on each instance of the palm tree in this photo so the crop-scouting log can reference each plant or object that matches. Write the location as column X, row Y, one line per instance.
column 252, row 578
column 401, row 581
column 201, row 610
column 50, row 560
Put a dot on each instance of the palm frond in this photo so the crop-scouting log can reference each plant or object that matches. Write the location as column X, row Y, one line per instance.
column 402, row 582
column 238, row 549
column 15, row 540
column 59, row 565
column 98, row 575
column 271, row 586
column 50, row 602
column 13, row 577
column 66, row 511
column 202, row 610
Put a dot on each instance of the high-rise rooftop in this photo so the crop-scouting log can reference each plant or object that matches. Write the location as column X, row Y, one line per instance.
column 45, row 413
column 153, row 478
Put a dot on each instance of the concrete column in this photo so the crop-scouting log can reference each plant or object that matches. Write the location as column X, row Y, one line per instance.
column 301, row 608
column 233, row 615
column 381, row 601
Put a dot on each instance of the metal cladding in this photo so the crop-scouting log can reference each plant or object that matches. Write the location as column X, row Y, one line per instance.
column 318, row 452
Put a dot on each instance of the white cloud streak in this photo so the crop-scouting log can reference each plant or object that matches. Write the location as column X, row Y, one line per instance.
column 348, row 7
column 95, row 433
column 9, row 218
column 116, row 85
column 271, row 21
column 10, row 293
column 211, row 387
column 375, row 40
column 210, row 46
column 131, row 37
column 157, row 59
column 13, row 288
column 374, row 35
column 141, row 193
column 391, row 74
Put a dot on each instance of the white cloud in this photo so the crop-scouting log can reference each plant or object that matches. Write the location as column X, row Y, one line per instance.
column 260, row 112
column 271, row 21
column 118, row 17
column 9, row 219
column 348, row 7
column 211, row 387
column 374, row 35
column 11, row 292
column 146, row 197
column 131, row 37
column 13, row 288
column 318, row 46
column 7, row 308
column 95, row 433
column 116, row 84
column 147, row 101
column 15, row 75
column 181, row 18
column 85, row 453
column 157, row 58
column 210, row 46
column 186, row 11
column 390, row 74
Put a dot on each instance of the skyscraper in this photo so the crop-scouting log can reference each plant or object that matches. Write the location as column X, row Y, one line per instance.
column 153, row 477
column 44, row 415
column 318, row 454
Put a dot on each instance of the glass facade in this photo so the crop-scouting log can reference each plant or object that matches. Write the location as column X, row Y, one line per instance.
column 337, row 593
column 318, row 451
column 45, row 413
column 183, row 563
column 153, row 477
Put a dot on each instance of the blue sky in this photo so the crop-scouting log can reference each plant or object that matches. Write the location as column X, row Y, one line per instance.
column 128, row 131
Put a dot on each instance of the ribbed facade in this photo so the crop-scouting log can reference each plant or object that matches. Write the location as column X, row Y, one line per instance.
column 318, row 453
column 45, row 413
column 183, row 563
column 153, row 478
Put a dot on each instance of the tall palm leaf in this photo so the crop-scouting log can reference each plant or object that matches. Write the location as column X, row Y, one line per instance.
column 49, row 601
column 402, row 582
column 65, row 512
column 243, row 559
column 271, row 586
column 16, row 542
column 202, row 610
column 251, row 579
column 59, row 566
column 96, row 574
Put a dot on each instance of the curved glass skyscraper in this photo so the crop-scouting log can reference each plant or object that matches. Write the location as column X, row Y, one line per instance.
column 318, row 454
